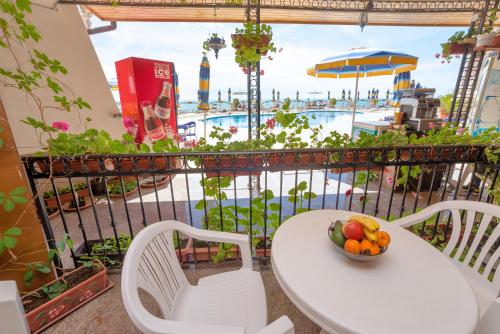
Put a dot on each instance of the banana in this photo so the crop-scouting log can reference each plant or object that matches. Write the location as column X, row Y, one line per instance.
column 368, row 223
column 370, row 235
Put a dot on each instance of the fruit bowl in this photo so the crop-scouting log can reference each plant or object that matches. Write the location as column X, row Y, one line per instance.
column 365, row 243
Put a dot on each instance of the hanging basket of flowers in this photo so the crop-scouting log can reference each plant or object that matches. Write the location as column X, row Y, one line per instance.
column 252, row 42
column 215, row 43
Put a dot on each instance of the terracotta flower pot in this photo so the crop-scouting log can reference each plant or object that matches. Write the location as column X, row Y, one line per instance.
column 203, row 254
column 159, row 183
column 350, row 158
column 229, row 162
column 127, row 164
column 292, row 159
column 68, row 208
column 88, row 288
column 120, row 195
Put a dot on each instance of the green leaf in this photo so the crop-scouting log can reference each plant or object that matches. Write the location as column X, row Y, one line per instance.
column 13, row 231
column 2, row 248
column 42, row 267
column 28, row 276
column 52, row 253
column 8, row 205
column 9, row 242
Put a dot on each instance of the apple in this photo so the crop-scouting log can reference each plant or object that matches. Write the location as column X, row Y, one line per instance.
column 353, row 230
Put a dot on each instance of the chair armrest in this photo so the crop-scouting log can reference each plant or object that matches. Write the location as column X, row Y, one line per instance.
column 241, row 240
column 282, row 325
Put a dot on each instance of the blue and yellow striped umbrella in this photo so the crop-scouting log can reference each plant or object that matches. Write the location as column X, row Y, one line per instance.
column 176, row 87
column 369, row 62
column 204, row 84
column 401, row 81
column 363, row 62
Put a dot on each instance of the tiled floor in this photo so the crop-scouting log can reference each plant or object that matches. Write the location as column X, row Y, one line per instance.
column 106, row 314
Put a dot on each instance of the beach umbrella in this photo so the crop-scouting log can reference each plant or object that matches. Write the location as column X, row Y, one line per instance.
column 204, row 90
column 363, row 62
column 358, row 95
column 297, row 96
column 369, row 95
column 229, row 96
column 176, row 88
column 376, row 94
column 401, row 81
column 373, row 94
column 328, row 95
column 274, row 95
column 387, row 94
column 349, row 95
column 343, row 94
column 219, row 97
column 278, row 95
column 418, row 85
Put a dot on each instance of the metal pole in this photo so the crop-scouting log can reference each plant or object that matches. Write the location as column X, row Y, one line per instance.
column 355, row 99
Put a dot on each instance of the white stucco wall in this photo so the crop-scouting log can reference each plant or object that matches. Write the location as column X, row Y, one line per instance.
column 65, row 38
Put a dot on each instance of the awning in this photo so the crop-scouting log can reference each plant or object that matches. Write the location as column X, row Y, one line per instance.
column 389, row 13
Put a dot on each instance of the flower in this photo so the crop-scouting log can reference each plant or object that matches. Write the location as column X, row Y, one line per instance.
column 390, row 180
column 271, row 123
column 348, row 192
column 269, row 57
column 191, row 143
column 437, row 55
column 61, row 126
column 361, row 198
column 432, row 125
column 177, row 137
column 460, row 131
column 233, row 130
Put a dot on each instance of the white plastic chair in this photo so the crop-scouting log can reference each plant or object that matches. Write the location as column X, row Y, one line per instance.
column 486, row 291
column 228, row 303
column 490, row 322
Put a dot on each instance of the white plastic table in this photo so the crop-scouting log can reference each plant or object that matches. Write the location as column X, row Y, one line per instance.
column 411, row 289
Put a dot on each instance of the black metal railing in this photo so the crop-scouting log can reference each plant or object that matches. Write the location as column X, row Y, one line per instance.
column 94, row 198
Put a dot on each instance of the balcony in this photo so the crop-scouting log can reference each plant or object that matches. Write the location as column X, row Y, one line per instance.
column 250, row 192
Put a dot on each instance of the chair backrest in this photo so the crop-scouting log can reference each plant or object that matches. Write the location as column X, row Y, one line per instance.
column 151, row 264
column 460, row 244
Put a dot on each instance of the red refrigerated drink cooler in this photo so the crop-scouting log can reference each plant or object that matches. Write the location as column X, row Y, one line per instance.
column 147, row 96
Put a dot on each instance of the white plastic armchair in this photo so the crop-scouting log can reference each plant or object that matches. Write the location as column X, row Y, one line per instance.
column 228, row 303
column 476, row 270
column 490, row 322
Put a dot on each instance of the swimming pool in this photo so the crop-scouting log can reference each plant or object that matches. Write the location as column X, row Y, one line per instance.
column 315, row 118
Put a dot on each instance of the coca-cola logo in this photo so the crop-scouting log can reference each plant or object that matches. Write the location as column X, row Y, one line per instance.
column 162, row 71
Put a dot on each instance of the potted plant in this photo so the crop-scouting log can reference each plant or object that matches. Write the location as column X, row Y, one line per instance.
column 52, row 212
column 489, row 38
column 456, row 45
column 65, row 195
column 252, row 42
column 149, row 181
column 83, row 203
column 214, row 42
column 62, row 296
column 115, row 188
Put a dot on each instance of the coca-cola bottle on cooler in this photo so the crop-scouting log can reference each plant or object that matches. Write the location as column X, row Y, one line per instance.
column 162, row 106
column 152, row 124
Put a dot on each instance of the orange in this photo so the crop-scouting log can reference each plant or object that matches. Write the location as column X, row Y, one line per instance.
column 374, row 250
column 352, row 246
column 365, row 246
column 383, row 238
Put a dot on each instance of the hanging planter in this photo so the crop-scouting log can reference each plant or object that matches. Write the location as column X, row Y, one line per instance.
column 252, row 42
column 215, row 43
column 488, row 40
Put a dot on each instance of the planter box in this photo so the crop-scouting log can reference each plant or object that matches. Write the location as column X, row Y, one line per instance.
column 291, row 159
column 457, row 49
column 48, row 313
column 488, row 40
column 228, row 162
column 202, row 251
column 64, row 198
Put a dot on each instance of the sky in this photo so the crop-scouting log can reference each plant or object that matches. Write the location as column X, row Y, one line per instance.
column 303, row 46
